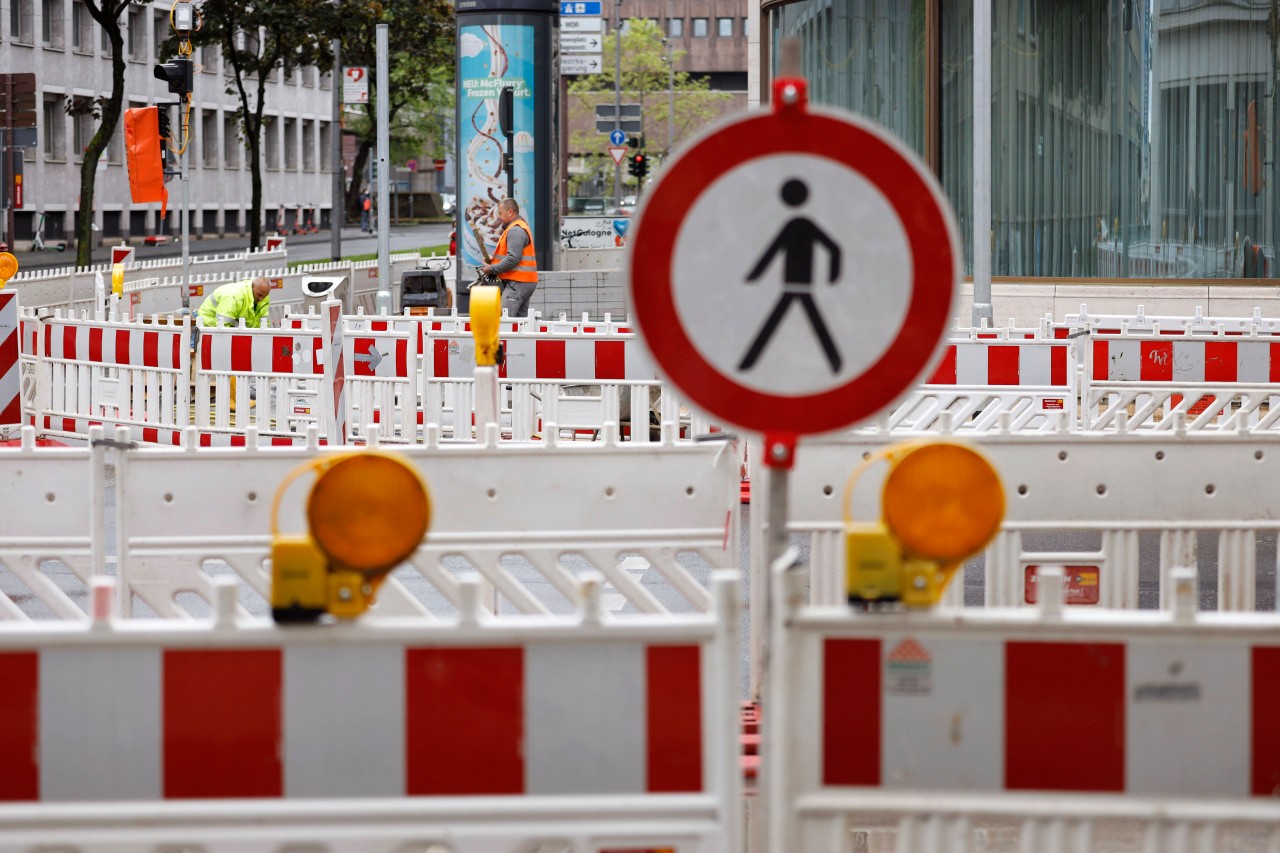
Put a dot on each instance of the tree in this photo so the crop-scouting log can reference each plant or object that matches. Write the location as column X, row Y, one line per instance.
column 420, row 48
column 646, row 79
column 258, row 37
column 107, row 14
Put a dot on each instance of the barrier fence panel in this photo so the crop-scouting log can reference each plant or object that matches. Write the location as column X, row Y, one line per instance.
column 382, row 380
column 266, row 379
column 29, row 360
column 527, row 518
column 1166, row 324
column 114, row 374
column 492, row 734
column 1176, row 705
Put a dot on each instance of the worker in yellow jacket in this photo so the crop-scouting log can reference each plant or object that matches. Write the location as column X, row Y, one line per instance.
column 246, row 300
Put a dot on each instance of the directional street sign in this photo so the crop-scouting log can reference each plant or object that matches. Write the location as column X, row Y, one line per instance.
column 628, row 125
column 607, row 110
column 581, row 25
column 580, row 43
column 617, row 154
column 827, row 302
column 581, row 63
column 587, row 8
column 617, row 137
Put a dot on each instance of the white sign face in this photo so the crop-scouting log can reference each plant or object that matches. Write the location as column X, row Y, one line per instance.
column 581, row 63
column 580, row 25
column 580, row 43
column 821, row 294
column 355, row 85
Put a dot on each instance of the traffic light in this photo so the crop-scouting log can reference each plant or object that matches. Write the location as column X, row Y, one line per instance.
column 639, row 166
column 178, row 74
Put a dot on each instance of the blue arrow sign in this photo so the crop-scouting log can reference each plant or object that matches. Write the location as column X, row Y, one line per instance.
column 573, row 7
column 617, row 137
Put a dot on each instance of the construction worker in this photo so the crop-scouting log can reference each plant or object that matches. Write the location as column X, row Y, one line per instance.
column 514, row 261
column 246, row 300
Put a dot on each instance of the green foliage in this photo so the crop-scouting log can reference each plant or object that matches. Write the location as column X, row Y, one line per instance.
column 646, row 79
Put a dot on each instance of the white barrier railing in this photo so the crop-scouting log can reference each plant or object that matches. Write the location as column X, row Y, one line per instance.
column 992, row 701
column 477, row 734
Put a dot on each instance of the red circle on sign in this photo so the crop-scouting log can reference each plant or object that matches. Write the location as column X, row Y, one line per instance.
column 439, row 164
column 858, row 147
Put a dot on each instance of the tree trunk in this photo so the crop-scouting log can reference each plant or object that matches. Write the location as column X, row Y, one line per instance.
column 357, row 176
column 98, row 144
column 255, row 178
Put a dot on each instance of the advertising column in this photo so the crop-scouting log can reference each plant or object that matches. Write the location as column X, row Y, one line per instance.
column 504, row 43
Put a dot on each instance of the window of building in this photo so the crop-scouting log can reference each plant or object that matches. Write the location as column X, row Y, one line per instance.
column 326, row 80
column 326, row 146
column 81, row 131
column 291, row 144
column 724, row 27
column 136, row 37
column 105, row 40
column 21, row 21
column 209, row 59
column 53, row 128
column 700, row 27
column 81, row 28
column 746, row 26
column 115, row 145
column 308, row 146
column 230, row 142
column 159, row 31
column 51, row 29
column 675, row 27
column 271, row 142
column 209, row 148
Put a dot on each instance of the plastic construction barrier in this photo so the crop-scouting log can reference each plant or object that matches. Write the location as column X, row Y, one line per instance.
column 114, row 374
column 1168, row 705
column 1166, row 324
column 10, row 362
column 620, row 737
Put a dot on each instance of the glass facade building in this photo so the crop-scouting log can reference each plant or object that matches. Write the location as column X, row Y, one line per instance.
column 1130, row 138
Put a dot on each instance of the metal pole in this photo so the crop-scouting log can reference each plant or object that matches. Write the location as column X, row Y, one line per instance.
column 186, row 206
column 617, row 93
column 383, row 89
column 671, row 94
column 337, row 215
column 6, row 192
column 982, row 308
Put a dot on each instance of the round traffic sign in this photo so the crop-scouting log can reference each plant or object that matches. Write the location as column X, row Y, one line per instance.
column 412, row 165
column 793, row 272
column 617, row 137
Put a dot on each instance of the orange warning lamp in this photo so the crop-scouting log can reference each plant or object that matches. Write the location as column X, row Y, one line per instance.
column 117, row 279
column 941, row 503
column 367, row 513
column 8, row 267
column 486, row 317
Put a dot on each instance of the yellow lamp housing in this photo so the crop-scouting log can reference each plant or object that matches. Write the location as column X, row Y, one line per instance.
column 486, row 318
column 117, row 279
column 8, row 267
column 941, row 503
column 367, row 512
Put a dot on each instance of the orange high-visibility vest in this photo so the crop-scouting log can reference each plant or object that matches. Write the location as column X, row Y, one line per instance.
column 527, row 269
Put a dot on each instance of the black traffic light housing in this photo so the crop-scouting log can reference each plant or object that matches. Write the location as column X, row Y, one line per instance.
column 178, row 74
column 165, row 134
column 638, row 166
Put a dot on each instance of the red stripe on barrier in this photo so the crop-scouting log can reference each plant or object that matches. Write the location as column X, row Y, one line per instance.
column 402, row 358
column 151, row 434
column 238, row 440
column 673, row 694
column 1265, row 747
column 1002, row 365
column 549, row 360
column 1101, row 361
column 206, row 440
column 851, row 712
column 1273, row 373
column 1064, row 716
column 1157, row 361
column 378, row 326
column 282, row 354
column 69, row 425
column 179, row 341
column 48, row 342
column 206, row 353
column 464, row 721
column 440, row 354
column 222, row 734
column 1220, row 361
column 363, row 350
column 1057, row 365
column 11, row 413
column 123, row 354
column 946, row 372
column 95, row 344
column 19, row 726
column 280, row 441
column 317, row 345
column 242, row 353
column 611, row 360
column 69, row 342
column 151, row 349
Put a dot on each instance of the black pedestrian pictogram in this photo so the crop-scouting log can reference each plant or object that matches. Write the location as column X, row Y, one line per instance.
column 797, row 241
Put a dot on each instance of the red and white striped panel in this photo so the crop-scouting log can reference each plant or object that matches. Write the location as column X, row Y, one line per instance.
column 156, row 347
column 1152, row 718
column 261, row 352
column 1017, row 363
column 335, row 375
column 384, row 355
column 10, row 358
column 573, row 359
column 358, row 720
column 30, row 336
column 1133, row 359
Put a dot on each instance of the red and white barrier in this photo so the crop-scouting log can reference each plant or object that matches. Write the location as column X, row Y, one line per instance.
column 10, row 362
column 133, row 375
column 557, row 713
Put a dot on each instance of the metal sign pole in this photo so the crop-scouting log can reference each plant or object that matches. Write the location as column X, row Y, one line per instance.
column 8, row 83
column 337, row 213
column 383, row 299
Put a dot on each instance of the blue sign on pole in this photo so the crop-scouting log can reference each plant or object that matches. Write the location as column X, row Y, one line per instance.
column 617, row 137
column 577, row 7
